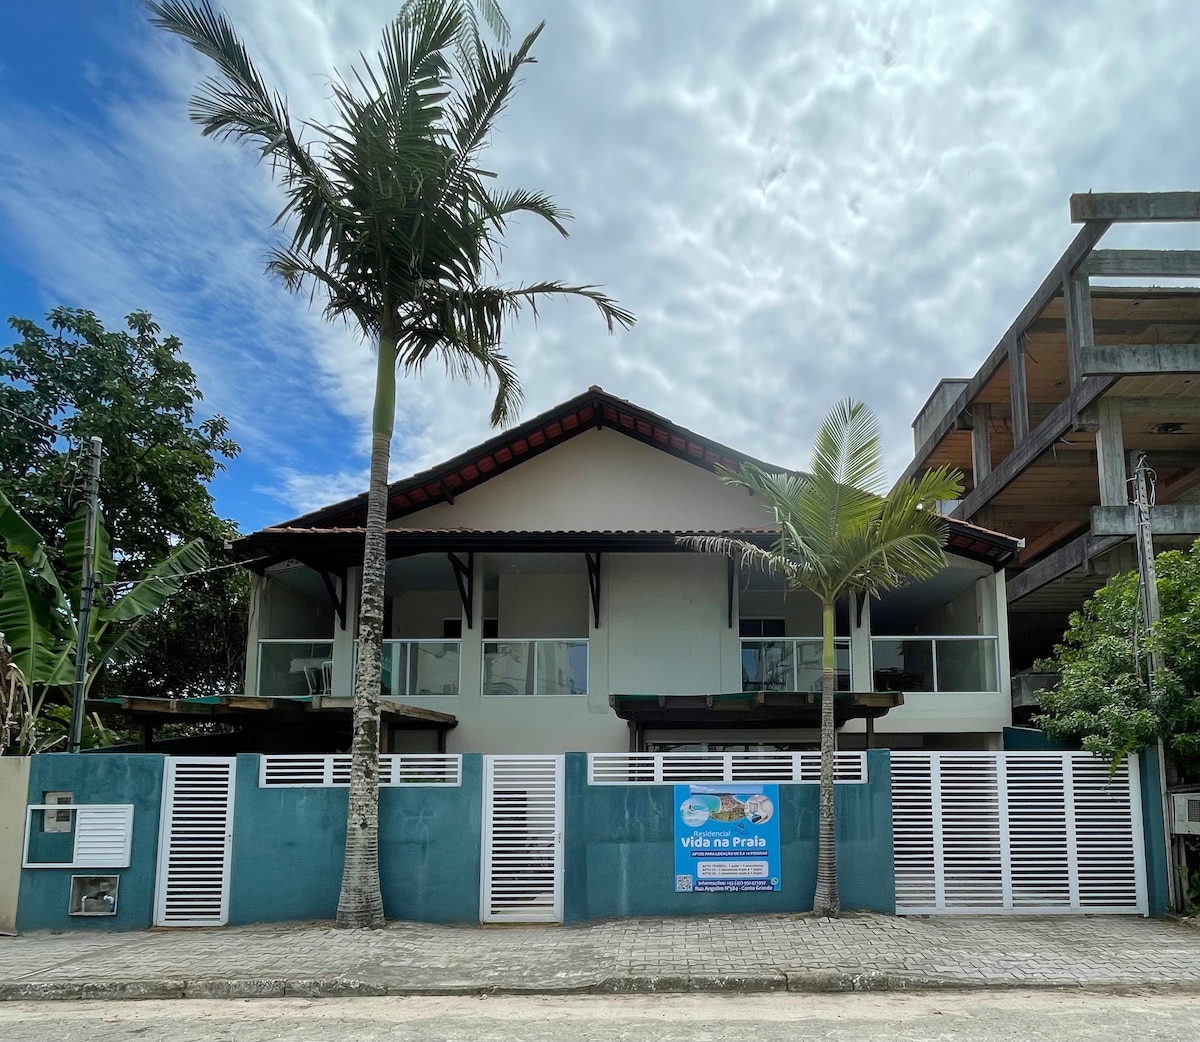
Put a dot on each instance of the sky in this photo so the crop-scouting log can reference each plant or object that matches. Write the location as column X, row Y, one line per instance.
column 801, row 201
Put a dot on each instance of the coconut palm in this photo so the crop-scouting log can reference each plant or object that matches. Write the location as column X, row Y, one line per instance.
column 392, row 221
column 840, row 534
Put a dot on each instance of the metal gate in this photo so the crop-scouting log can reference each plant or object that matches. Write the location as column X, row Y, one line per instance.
column 194, row 842
column 522, row 839
column 1035, row 833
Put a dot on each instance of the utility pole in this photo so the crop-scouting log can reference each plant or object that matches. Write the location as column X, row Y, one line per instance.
column 1148, row 575
column 1145, row 548
column 86, row 587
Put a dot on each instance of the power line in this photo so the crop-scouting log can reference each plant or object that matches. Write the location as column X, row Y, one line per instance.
column 185, row 575
column 36, row 423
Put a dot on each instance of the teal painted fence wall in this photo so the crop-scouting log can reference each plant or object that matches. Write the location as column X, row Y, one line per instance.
column 45, row 892
column 619, row 849
column 288, row 846
column 1158, row 889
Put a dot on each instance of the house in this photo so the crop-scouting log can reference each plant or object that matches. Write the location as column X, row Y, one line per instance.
column 1092, row 374
column 537, row 600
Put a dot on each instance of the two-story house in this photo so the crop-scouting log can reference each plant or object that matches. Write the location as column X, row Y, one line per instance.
column 538, row 600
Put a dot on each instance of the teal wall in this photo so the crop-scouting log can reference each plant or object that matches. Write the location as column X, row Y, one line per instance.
column 45, row 892
column 1032, row 740
column 1158, row 892
column 619, row 849
column 288, row 846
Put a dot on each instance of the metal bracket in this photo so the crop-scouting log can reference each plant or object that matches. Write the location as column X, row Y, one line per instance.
column 464, row 576
column 339, row 603
column 593, row 567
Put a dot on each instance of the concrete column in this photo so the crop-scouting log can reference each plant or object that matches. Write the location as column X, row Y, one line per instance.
column 343, row 639
column 861, row 679
column 598, row 649
column 471, row 651
column 731, row 641
column 1018, row 391
column 1110, row 454
column 254, row 628
column 981, row 442
column 14, row 795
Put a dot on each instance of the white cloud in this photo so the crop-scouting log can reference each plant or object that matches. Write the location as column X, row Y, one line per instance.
column 799, row 201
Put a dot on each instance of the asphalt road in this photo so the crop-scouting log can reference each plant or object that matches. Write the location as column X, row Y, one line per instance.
column 775, row 1017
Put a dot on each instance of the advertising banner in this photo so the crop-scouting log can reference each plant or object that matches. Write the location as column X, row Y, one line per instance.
column 726, row 838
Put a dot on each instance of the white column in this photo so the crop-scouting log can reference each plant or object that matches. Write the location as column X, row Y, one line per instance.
column 254, row 631
column 861, row 679
column 342, row 685
column 471, row 651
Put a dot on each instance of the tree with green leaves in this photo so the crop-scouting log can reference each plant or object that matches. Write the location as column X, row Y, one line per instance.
column 70, row 378
column 39, row 605
column 1104, row 699
column 391, row 218
column 840, row 533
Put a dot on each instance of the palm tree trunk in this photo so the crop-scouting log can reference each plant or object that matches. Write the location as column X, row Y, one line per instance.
column 360, row 903
column 826, row 902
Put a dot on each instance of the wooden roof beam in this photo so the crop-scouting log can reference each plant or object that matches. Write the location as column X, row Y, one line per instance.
column 1135, row 206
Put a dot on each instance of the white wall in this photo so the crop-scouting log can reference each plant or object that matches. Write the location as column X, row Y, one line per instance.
column 668, row 626
column 419, row 614
column 597, row 480
column 542, row 606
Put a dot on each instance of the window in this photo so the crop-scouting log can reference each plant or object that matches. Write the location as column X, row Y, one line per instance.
column 760, row 627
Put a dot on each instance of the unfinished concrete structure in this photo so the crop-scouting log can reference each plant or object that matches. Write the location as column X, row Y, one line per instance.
column 1088, row 377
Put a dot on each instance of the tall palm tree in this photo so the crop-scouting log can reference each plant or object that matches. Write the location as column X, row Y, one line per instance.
column 840, row 534
column 391, row 218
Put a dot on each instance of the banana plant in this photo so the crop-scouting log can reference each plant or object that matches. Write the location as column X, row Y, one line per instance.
column 39, row 603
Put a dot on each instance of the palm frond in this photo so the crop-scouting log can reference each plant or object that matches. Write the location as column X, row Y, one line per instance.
column 747, row 554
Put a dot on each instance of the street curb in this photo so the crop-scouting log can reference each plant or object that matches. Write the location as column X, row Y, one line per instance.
column 797, row 981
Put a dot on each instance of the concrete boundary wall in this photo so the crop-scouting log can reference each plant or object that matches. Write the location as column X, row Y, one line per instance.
column 620, row 849
column 14, row 787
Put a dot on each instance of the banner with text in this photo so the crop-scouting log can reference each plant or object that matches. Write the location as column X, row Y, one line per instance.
column 726, row 838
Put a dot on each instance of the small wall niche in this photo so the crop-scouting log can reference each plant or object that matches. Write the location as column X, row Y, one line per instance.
column 94, row 895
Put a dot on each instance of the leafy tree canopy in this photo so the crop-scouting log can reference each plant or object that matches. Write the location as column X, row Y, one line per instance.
column 133, row 390
column 62, row 384
column 1103, row 699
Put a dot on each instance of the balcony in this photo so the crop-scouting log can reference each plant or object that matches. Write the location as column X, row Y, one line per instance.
column 294, row 668
column 786, row 664
column 535, row 667
column 937, row 664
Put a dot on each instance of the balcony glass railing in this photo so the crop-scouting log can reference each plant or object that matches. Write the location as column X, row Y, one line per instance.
column 946, row 664
column 787, row 664
column 294, row 668
column 420, row 667
column 535, row 667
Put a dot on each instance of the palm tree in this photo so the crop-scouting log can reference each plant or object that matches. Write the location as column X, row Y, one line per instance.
column 391, row 218
column 840, row 534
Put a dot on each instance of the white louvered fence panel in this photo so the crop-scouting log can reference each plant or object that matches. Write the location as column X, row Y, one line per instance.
column 522, row 839
column 195, row 842
column 103, row 836
column 1016, row 832
column 333, row 770
column 673, row 768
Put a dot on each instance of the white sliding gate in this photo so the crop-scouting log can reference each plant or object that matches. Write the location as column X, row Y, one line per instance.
column 1035, row 833
column 195, row 842
column 522, row 839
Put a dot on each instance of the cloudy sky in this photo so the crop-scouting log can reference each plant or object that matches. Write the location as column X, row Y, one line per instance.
column 800, row 201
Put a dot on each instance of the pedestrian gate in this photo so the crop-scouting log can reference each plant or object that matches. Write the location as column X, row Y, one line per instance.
column 195, row 842
column 1037, row 833
column 522, row 839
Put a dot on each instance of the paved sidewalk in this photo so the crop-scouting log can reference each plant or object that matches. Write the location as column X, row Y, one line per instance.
column 751, row 953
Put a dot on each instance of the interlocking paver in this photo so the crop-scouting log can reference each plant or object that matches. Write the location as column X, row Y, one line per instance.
column 1089, row 951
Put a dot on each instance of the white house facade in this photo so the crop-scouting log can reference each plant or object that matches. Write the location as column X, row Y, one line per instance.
column 538, row 600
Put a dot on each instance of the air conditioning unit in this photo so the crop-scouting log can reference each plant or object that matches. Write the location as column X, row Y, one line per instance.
column 1185, row 813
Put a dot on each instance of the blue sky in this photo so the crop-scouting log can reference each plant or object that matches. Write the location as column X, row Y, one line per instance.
column 799, row 201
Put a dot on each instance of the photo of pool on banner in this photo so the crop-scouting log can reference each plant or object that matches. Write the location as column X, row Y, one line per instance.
column 726, row 838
